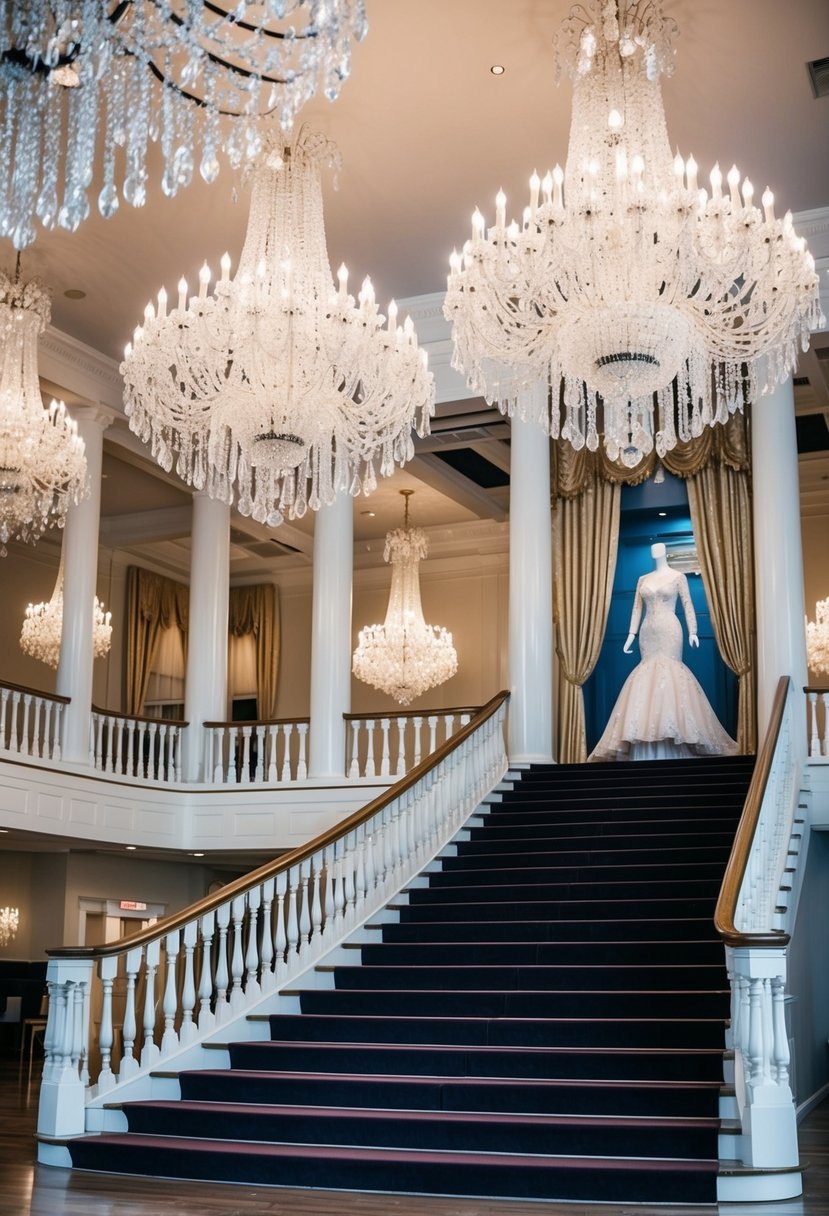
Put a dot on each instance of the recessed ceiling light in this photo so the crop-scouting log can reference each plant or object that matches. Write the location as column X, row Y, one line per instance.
column 662, row 514
column 497, row 69
column 75, row 293
column 5, row 831
column 370, row 514
column 131, row 848
column 197, row 854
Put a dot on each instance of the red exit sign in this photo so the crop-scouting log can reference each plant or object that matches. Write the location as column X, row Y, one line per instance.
column 132, row 905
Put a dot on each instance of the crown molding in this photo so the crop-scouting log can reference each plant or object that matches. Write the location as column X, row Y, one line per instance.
column 80, row 370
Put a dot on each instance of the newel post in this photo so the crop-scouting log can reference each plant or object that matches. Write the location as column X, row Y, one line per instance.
column 61, row 1110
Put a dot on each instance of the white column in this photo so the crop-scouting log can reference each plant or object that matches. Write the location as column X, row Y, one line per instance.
column 80, row 572
column 778, row 551
column 530, row 591
column 205, row 697
column 331, row 638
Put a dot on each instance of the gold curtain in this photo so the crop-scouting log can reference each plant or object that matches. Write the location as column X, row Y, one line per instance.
column 585, row 543
column 256, row 610
column 154, row 603
column 719, row 498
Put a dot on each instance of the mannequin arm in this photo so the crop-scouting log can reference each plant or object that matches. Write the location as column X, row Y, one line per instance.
column 688, row 609
column 635, row 618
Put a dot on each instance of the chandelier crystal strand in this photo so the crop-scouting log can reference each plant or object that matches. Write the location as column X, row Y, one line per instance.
column 42, row 462
column 278, row 391
column 817, row 639
column 405, row 657
column 650, row 306
column 42, row 630
column 81, row 79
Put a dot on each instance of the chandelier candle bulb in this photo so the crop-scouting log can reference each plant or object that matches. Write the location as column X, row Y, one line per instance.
column 392, row 317
column 535, row 186
column 547, row 188
column 500, row 210
column 716, row 184
column 182, row 294
column 734, row 187
column 748, row 195
column 224, row 263
column 162, row 304
column 768, row 206
column 204, row 281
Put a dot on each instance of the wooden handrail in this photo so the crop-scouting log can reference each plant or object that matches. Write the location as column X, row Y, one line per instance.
column 412, row 713
column 812, row 688
column 735, row 869
column 112, row 713
column 35, row 692
column 261, row 722
column 210, row 902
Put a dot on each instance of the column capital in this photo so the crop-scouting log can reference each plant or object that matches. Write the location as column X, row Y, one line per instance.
column 101, row 415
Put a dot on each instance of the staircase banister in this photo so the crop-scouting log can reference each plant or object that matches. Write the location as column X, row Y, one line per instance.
column 259, row 722
column 814, row 688
column 239, row 886
column 115, row 713
column 376, row 715
column 737, row 862
column 35, row 692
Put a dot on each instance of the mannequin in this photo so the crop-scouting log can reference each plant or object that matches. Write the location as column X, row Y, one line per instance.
column 662, row 712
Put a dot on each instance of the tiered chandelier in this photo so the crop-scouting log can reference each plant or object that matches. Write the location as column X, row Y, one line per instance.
column 278, row 391
column 817, row 639
column 42, row 462
column 43, row 627
column 405, row 657
column 84, row 78
column 650, row 306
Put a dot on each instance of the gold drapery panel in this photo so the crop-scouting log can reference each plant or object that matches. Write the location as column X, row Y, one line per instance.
column 585, row 543
column 719, row 497
column 154, row 603
column 573, row 471
column 256, row 610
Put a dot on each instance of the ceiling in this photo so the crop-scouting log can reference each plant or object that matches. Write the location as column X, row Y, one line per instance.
column 426, row 133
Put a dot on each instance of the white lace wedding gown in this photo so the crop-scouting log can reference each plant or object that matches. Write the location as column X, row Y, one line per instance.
column 662, row 712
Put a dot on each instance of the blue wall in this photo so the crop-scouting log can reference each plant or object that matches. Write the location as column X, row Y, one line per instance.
column 641, row 524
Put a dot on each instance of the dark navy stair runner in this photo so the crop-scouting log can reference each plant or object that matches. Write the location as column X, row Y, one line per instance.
column 545, row 1021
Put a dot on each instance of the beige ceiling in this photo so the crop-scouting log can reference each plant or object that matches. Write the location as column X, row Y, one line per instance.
column 427, row 133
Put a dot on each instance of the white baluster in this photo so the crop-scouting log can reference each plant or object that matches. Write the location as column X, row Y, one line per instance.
column 252, row 988
column 129, row 1064
column 36, row 736
column 27, row 703
column 218, row 751
column 177, row 753
column 814, row 737
column 106, row 1078
column 316, row 895
column 370, row 770
column 417, row 726
column 825, row 700
column 449, row 726
column 401, row 747
column 161, row 775
column 258, row 776
column 109, row 753
column 280, row 936
column 46, row 750
column 207, row 1018
column 354, row 767
column 245, row 774
column 169, row 1040
column 233, row 755
column 266, row 950
column 273, row 734
column 287, row 731
column 149, row 1048
column 221, row 979
column 305, row 903
column 119, row 726
column 302, row 764
column 99, row 727
column 237, row 963
column 328, row 906
column 292, row 928
column 131, row 762
column 385, row 760
column 4, row 701
column 433, row 728
column 187, row 1030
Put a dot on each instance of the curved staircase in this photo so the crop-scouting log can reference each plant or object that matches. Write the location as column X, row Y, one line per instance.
column 540, row 1015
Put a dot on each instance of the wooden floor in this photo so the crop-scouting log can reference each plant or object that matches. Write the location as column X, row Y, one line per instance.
column 28, row 1189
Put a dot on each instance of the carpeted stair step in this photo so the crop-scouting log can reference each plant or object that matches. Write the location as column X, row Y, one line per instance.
column 601, row 822
column 554, row 978
column 655, row 1099
column 516, row 865
column 623, row 929
column 533, row 1063
column 574, row 909
column 545, row 1004
column 456, row 1132
column 635, row 1180
column 499, row 1032
column 528, row 954
column 536, row 884
column 608, row 848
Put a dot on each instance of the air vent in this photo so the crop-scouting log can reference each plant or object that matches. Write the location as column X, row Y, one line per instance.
column 819, row 76
column 801, row 381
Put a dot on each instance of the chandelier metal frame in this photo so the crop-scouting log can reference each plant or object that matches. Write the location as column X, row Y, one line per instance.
column 649, row 306
column 117, row 76
column 278, row 391
column 42, row 461
column 404, row 656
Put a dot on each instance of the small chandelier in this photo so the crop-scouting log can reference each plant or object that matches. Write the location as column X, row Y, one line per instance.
column 650, row 307
column 9, row 924
column 817, row 639
column 42, row 462
column 43, row 627
column 404, row 656
column 122, row 75
column 278, row 391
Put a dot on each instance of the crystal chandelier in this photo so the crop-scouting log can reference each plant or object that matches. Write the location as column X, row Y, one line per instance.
column 43, row 627
column 650, row 306
column 80, row 78
column 9, row 924
column 404, row 656
column 42, row 462
column 817, row 639
column 278, row 391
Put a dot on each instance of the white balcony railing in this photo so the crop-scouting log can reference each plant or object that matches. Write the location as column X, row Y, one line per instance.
column 148, row 749
column 118, row 1012
column 388, row 745
column 269, row 752
column 30, row 722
